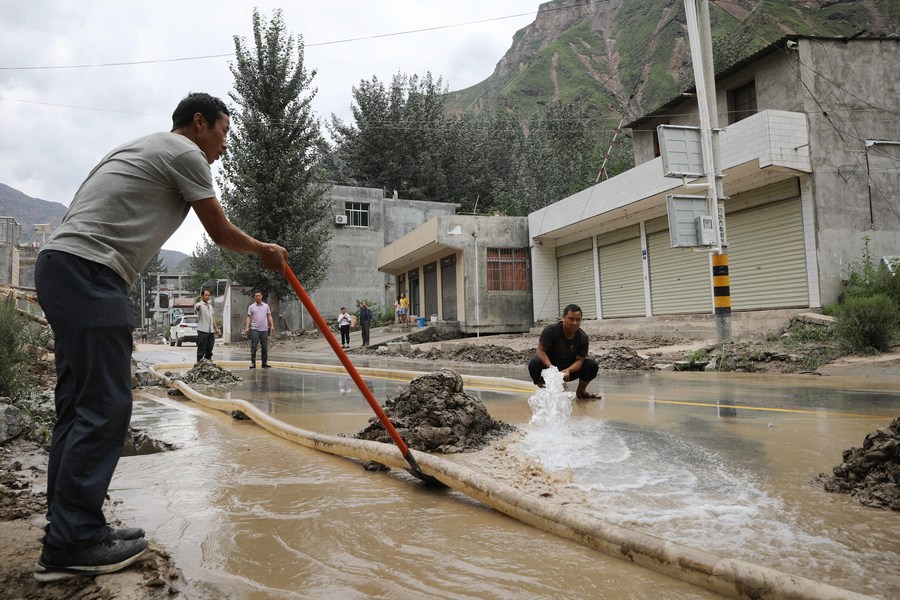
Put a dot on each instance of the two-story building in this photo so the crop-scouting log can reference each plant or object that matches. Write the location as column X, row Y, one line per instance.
column 810, row 153
column 364, row 222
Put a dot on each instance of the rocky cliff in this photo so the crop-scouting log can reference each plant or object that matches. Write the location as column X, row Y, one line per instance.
column 625, row 57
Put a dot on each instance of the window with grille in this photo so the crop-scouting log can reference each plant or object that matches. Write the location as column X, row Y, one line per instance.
column 742, row 102
column 507, row 269
column 357, row 214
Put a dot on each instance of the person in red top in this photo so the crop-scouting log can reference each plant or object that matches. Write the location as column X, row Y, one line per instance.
column 565, row 346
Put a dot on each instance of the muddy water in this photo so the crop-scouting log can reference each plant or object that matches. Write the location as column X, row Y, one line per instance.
column 720, row 463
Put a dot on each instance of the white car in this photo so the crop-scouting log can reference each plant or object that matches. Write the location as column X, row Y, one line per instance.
column 184, row 330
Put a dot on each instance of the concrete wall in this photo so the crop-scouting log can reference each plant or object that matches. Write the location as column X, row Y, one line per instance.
column 353, row 274
column 9, row 265
column 402, row 216
column 852, row 199
column 490, row 312
column 755, row 324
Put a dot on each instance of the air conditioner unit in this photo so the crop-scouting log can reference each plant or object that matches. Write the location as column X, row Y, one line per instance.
column 340, row 219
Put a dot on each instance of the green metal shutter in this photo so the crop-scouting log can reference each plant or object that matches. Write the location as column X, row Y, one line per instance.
column 767, row 256
column 679, row 277
column 576, row 282
column 621, row 279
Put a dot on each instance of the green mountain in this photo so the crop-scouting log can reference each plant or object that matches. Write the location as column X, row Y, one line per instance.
column 621, row 58
column 28, row 211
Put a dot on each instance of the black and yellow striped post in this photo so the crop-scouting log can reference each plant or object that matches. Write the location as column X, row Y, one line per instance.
column 721, row 296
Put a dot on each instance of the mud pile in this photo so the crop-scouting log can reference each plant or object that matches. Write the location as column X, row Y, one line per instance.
column 434, row 414
column 622, row 359
column 206, row 372
column 871, row 474
column 483, row 354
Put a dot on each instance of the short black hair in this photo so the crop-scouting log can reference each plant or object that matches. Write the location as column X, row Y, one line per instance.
column 572, row 308
column 210, row 107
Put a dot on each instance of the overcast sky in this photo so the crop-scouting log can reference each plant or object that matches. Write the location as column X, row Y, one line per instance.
column 56, row 123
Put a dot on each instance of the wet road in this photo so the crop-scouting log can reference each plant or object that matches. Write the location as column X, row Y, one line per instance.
column 721, row 462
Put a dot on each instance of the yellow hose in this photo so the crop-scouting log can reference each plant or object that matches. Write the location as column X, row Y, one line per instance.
column 727, row 576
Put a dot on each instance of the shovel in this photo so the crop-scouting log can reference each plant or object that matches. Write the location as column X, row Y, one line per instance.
column 354, row 374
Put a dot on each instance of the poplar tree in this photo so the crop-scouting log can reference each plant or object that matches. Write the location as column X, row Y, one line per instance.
column 271, row 183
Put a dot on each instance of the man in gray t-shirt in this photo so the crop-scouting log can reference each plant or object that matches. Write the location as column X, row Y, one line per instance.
column 128, row 206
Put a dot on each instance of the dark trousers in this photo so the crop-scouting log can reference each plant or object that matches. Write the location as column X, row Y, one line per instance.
column 205, row 343
column 345, row 335
column 92, row 318
column 588, row 371
column 364, row 327
column 260, row 338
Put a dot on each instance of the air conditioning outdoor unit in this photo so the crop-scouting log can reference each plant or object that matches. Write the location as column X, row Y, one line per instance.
column 340, row 219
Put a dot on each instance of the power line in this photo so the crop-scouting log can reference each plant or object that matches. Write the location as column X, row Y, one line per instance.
column 92, row 108
column 309, row 45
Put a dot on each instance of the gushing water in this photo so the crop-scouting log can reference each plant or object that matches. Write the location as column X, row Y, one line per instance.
column 667, row 485
column 551, row 405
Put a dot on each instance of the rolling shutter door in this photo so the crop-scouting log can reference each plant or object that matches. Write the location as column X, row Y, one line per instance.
column 575, row 265
column 679, row 277
column 621, row 277
column 448, row 287
column 767, row 256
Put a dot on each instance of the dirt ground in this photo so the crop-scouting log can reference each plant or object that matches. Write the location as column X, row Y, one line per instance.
column 23, row 461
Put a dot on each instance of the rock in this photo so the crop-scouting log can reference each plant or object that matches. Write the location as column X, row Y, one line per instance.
column 398, row 347
column 871, row 474
column 815, row 319
column 434, row 414
column 12, row 422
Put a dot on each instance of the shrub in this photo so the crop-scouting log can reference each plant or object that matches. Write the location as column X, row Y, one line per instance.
column 803, row 333
column 16, row 359
column 867, row 323
column 381, row 314
column 868, row 278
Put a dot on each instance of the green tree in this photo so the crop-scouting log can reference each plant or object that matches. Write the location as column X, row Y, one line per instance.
column 397, row 138
column 206, row 263
column 272, row 185
column 156, row 265
column 559, row 158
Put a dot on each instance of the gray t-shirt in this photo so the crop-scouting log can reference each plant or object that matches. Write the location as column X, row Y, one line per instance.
column 133, row 201
column 205, row 317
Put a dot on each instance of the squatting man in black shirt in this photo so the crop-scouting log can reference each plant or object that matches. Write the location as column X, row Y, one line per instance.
column 565, row 346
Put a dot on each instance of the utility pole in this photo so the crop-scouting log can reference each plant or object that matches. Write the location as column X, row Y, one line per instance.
column 143, row 305
column 700, row 37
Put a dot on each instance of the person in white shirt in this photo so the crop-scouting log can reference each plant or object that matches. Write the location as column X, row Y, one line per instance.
column 343, row 322
column 207, row 328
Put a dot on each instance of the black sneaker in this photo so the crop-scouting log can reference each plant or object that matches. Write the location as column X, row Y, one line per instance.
column 253, row 366
column 267, row 366
column 119, row 533
column 108, row 556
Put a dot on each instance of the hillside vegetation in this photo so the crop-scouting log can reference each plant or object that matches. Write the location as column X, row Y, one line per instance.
column 621, row 58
